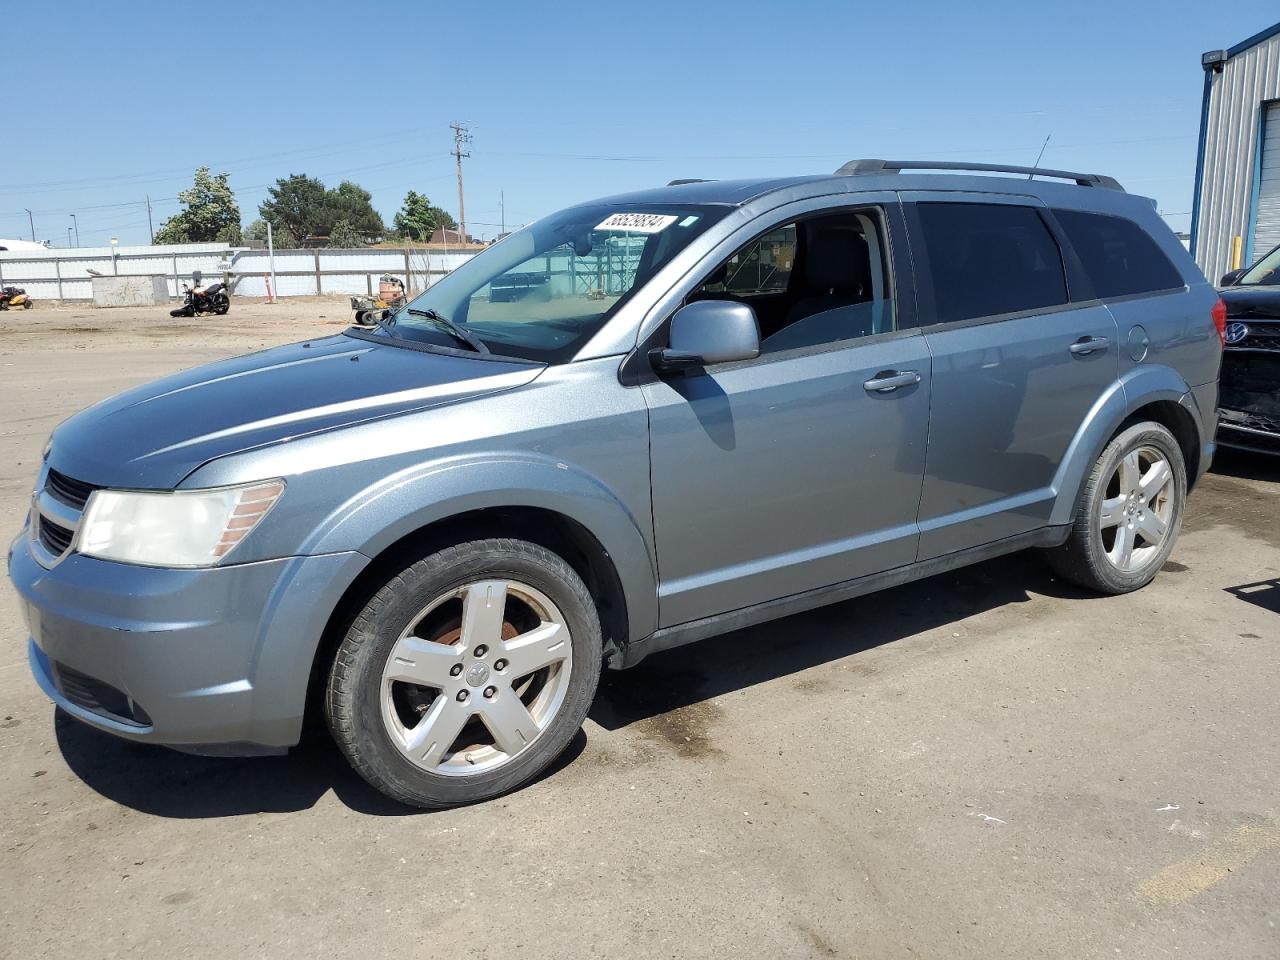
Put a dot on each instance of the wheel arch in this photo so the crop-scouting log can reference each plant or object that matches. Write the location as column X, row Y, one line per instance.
column 566, row 513
column 1147, row 392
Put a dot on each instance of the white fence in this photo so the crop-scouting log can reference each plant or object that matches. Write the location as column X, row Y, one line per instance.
column 65, row 274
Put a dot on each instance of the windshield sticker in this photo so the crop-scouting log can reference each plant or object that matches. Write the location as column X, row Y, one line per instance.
column 637, row 222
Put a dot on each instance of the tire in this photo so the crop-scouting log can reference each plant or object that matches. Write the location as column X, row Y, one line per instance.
column 377, row 716
column 182, row 312
column 221, row 304
column 26, row 305
column 1121, row 505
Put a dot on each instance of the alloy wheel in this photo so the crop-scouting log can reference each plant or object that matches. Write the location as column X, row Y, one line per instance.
column 477, row 675
column 1138, row 509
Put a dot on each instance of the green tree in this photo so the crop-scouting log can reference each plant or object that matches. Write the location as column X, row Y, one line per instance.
column 345, row 236
column 353, row 203
column 297, row 203
column 419, row 218
column 255, row 231
column 281, row 238
column 303, row 206
column 210, row 212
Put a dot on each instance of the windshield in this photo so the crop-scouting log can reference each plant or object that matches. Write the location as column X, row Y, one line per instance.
column 542, row 292
column 1265, row 272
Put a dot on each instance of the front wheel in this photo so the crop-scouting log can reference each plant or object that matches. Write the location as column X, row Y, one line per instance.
column 26, row 305
column 1128, row 514
column 466, row 674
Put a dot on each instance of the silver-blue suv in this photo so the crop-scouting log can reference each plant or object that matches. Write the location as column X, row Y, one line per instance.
column 634, row 424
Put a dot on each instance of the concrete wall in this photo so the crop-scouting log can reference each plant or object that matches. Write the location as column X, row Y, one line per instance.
column 129, row 291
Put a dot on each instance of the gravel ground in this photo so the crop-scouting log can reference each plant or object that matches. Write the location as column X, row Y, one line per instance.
column 985, row 764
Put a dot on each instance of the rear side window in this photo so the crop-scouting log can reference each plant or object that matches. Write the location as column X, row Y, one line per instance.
column 1117, row 254
column 988, row 259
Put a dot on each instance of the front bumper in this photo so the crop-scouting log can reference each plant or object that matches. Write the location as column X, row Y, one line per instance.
column 214, row 660
column 1244, row 430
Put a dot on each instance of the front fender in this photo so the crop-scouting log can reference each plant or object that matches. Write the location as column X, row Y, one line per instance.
column 379, row 515
column 1136, row 388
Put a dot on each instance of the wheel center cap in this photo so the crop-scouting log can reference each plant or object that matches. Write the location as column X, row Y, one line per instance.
column 477, row 674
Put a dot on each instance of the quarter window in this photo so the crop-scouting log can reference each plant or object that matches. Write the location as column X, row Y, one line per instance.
column 988, row 259
column 1117, row 254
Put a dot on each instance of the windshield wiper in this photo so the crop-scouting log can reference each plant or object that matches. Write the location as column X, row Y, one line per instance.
column 387, row 326
column 457, row 332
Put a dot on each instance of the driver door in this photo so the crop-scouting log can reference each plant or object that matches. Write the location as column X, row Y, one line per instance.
column 788, row 473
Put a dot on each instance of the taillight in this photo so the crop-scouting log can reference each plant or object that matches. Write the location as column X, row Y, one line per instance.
column 1219, row 314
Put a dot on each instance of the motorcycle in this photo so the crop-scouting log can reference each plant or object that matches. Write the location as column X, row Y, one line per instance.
column 203, row 300
column 14, row 297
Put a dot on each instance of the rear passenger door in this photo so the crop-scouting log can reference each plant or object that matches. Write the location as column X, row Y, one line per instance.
column 1016, row 365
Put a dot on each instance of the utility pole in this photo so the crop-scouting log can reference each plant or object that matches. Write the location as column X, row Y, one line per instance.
column 461, row 137
column 68, row 236
column 33, row 223
column 76, row 224
column 502, row 208
column 150, row 228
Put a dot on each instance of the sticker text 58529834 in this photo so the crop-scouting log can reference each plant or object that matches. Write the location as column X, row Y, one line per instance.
column 637, row 222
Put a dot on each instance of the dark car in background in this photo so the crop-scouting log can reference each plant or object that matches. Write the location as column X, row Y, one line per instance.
column 1249, row 399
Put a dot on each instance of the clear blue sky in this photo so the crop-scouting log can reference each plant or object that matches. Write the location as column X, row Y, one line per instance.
column 106, row 102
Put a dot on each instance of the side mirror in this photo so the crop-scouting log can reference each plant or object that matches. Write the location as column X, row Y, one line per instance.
column 1229, row 279
column 709, row 331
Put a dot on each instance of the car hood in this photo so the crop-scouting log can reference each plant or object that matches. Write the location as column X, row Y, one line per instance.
column 1252, row 303
column 154, row 435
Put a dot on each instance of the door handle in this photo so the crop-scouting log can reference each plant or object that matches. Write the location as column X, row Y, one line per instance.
column 1087, row 345
column 887, row 381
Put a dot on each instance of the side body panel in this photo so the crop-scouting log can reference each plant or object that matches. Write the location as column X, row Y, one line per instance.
column 574, row 442
column 775, row 477
column 1009, row 396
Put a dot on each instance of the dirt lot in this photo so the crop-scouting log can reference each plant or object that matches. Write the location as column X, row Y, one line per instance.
column 986, row 764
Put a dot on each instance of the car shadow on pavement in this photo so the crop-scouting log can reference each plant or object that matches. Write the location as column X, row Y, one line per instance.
column 691, row 674
column 166, row 783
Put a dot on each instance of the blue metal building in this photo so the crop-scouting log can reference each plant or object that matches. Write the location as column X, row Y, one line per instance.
column 1236, row 210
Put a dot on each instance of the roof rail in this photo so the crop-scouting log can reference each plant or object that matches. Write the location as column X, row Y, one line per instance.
column 680, row 183
column 857, row 167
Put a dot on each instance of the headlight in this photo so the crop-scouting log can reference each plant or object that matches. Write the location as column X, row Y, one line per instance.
column 185, row 528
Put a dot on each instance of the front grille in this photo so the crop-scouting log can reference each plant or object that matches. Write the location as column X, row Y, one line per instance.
column 53, row 537
column 74, row 493
column 1257, row 341
column 1250, row 421
column 98, row 697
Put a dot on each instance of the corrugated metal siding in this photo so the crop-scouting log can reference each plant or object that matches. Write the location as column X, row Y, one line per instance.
column 1266, row 226
column 1248, row 80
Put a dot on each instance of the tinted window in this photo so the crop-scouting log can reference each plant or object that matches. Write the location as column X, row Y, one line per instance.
column 1117, row 254
column 986, row 260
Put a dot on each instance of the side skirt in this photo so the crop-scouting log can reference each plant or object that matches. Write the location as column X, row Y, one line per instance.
column 694, row 630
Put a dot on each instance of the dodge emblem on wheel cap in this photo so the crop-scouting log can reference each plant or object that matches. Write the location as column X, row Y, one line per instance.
column 1236, row 332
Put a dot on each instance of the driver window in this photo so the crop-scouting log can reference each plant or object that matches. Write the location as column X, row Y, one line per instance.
column 812, row 282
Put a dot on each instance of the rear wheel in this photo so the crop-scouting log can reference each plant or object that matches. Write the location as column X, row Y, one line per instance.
column 1129, row 513
column 466, row 674
column 221, row 304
